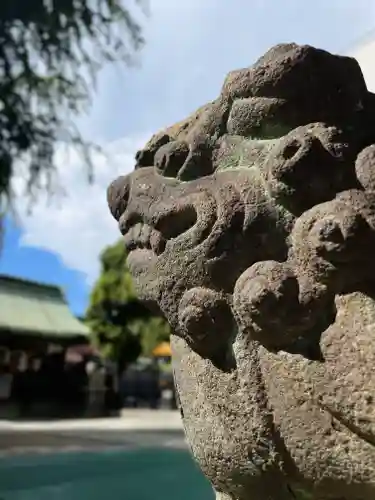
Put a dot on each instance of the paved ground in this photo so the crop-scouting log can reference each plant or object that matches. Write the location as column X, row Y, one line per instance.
column 134, row 429
column 141, row 455
column 137, row 419
column 142, row 474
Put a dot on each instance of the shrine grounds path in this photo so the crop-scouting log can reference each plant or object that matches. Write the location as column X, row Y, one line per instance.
column 141, row 455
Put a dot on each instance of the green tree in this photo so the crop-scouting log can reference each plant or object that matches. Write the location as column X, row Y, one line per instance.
column 122, row 326
column 50, row 54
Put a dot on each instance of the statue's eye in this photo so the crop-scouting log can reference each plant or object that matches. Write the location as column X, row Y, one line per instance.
column 143, row 158
column 146, row 157
column 170, row 158
column 198, row 163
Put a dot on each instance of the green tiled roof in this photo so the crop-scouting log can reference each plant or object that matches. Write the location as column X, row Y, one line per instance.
column 27, row 307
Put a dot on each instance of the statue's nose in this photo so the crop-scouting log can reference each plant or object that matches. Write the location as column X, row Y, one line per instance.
column 118, row 196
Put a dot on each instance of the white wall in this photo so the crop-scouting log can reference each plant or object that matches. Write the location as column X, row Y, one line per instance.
column 365, row 55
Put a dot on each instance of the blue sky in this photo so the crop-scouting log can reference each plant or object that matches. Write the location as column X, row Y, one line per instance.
column 40, row 265
column 190, row 47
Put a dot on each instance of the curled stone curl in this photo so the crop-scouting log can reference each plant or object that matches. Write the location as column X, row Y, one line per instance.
column 331, row 251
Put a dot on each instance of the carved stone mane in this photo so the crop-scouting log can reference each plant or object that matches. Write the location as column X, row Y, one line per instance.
column 251, row 226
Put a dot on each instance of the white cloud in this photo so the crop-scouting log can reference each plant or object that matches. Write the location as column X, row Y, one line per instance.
column 190, row 47
column 77, row 225
column 364, row 53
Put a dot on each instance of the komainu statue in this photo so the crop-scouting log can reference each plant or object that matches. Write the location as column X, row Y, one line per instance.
column 251, row 227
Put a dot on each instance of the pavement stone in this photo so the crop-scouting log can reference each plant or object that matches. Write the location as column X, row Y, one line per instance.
column 133, row 430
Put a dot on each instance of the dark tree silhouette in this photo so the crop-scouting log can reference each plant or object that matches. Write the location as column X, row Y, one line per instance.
column 50, row 53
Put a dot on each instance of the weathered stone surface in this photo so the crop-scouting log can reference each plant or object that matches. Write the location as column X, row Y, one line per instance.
column 145, row 157
column 253, row 231
column 301, row 73
column 170, row 157
column 264, row 117
column 365, row 168
column 309, row 165
column 176, row 132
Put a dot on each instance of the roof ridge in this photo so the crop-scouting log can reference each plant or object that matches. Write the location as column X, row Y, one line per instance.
column 37, row 309
column 32, row 283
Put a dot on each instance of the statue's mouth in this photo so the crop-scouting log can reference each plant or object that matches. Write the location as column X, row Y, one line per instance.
column 180, row 220
column 144, row 237
column 151, row 236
